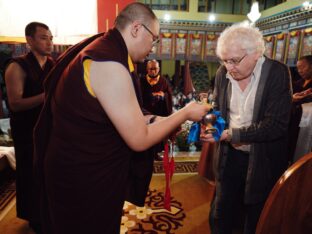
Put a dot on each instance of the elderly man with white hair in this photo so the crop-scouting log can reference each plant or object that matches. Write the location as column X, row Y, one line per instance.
column 253, row 94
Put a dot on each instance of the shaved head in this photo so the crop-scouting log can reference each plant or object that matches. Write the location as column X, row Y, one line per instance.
column 134, row 11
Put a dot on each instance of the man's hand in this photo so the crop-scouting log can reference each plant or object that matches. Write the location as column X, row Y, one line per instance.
column 208, row 137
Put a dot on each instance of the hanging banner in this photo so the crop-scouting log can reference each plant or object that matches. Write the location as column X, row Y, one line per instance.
column 166, row 45
column 195, row 49
column 306, row 48
column 180, row 45
column 280, row 45
column 210, row 47
column 269, row 46
column 293, row 47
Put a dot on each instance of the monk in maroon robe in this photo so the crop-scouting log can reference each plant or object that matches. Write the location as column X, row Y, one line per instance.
column 92, row 124
column 156, row 91
column 157, row 97
column 24, row 78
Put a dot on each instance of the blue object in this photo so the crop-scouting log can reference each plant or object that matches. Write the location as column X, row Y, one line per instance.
column 194, row 133
column 195, row 129
column 219, row 125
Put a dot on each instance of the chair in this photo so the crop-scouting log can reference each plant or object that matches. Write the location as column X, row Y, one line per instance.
column 288, row 208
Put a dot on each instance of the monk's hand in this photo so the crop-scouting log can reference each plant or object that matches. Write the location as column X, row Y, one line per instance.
column 160, row 93
column 195, row 111
column 298, row 96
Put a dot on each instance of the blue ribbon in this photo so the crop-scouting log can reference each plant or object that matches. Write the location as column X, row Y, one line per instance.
column 195, row 129
column 194, row 133
column 219, row 126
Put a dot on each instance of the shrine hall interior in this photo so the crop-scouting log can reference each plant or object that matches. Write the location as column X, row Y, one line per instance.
column 189, row 31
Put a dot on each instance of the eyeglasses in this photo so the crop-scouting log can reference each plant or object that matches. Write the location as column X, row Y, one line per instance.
column 153, row 68
column 155, row 38
column 234, row 62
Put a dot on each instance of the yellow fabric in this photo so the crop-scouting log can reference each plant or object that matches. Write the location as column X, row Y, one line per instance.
column 130, row 64
column 152, row 81
column 86, row 73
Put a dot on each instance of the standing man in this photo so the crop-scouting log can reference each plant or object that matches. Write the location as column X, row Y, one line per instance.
column 156, row 96
column 24, row 77
column 93, row 123
column 156, row 91
column 253, row 94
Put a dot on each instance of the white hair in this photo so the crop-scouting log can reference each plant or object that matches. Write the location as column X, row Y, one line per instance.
column 242, row 35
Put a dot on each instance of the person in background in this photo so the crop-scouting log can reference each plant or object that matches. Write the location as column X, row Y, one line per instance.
column 96, row 125
column 156, row 91
column 157, row 96
column 253, row 94
column 24, row 78
column 302, row 90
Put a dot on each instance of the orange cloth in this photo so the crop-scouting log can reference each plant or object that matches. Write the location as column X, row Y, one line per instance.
column 152, row 81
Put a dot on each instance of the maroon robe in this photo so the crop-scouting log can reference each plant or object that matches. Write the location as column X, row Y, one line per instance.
column 22, row 125
column 86, row 162
column 157, row 106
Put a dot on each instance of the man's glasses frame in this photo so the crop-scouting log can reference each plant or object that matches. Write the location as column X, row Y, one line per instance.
column 153, row 68
column 234, row 62
column 155, row 38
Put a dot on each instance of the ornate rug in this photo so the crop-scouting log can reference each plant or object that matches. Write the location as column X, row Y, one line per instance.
column 180, row 167
column 152, row 218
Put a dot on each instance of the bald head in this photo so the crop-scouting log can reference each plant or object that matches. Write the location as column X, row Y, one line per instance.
column 134, row 12
column 152, row 63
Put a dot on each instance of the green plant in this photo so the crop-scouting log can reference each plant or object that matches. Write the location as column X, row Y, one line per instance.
column 181, row 140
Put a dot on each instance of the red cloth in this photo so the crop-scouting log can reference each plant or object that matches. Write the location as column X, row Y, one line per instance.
column 169, row 170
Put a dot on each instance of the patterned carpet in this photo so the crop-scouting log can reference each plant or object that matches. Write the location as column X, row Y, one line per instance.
column 189, row 207
column 7, row 185
column 152, row 218
column 180, row 167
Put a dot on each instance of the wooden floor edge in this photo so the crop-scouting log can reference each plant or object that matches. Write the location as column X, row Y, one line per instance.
column 7, row 208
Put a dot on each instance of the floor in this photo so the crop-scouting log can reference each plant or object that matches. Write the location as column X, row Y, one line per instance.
column 192, row 191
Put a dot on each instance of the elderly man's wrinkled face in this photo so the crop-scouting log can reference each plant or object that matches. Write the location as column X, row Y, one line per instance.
column 304, row 69
column 238, row 62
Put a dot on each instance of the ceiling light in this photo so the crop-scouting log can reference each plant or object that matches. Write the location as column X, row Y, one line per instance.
column 167, row 17
column 212, row 18
column 254, row 13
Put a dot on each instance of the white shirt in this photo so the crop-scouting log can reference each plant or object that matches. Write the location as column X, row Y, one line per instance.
column 242, row 102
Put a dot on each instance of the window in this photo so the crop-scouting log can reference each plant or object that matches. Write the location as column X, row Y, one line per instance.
column 171, row 5
column 236, row 7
